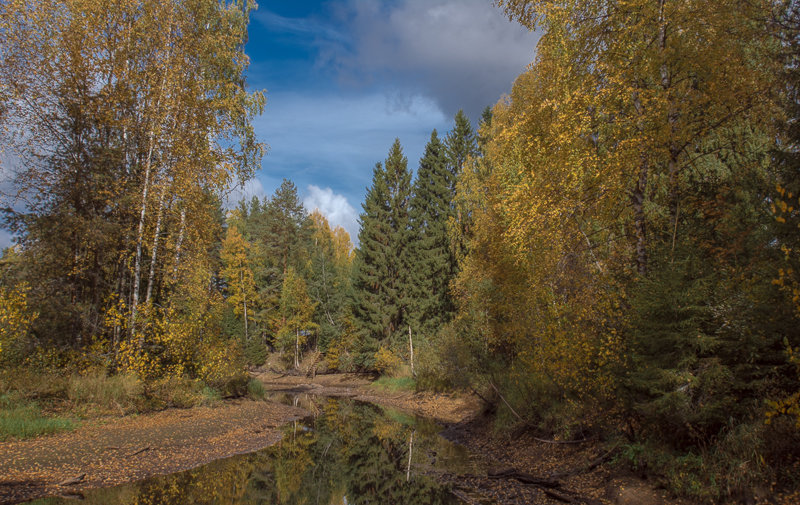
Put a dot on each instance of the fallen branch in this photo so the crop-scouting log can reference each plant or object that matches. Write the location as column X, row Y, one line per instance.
column 73, row 481
column 547, row 486
column 143, row 449
column 588, row 468
column 581, row 441
column 525, row 478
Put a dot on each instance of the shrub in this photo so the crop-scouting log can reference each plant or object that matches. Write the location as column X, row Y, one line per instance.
column 256, row 389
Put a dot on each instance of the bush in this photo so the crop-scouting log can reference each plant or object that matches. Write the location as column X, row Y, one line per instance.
column 256, row 389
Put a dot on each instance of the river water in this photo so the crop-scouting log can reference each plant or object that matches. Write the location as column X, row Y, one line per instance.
column 345, row 453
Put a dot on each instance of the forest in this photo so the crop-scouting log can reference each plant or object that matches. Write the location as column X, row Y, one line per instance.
column 612, row 251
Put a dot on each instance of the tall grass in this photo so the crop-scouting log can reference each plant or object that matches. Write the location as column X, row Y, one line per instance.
column 25, row 420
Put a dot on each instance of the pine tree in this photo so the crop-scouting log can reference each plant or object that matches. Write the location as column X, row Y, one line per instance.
column 430, row 263
column 380, row 280
column 461, row 146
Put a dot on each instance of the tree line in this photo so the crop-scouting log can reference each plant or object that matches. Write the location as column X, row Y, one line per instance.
column 613, row 253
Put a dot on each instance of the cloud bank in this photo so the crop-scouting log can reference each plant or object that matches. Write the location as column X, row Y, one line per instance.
column 461, row 53
column 333, row 206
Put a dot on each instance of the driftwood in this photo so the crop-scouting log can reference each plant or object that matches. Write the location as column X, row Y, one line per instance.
column 587, row 468
column 73, row 481
column 547, row 485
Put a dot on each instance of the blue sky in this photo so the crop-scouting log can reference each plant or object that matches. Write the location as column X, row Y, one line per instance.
column 344, row 78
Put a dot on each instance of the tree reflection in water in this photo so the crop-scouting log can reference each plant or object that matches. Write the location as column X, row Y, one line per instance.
column 348, row 453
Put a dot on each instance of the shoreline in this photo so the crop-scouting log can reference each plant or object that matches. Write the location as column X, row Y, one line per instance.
column 107, row 451
column 110, row 451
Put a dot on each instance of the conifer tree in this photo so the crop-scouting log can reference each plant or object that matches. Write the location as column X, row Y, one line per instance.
column 461, row 146
column 380, row 279
column 430, row 263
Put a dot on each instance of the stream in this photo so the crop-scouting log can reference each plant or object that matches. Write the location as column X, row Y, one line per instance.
column 346, row 452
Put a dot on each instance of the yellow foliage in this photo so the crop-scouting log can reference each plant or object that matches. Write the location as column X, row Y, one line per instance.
column 386, row 361
column 15, row 318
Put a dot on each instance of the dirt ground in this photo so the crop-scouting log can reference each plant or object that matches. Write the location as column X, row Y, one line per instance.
column 111, row 451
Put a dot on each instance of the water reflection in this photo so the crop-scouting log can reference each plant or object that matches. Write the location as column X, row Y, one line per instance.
column 347, row 453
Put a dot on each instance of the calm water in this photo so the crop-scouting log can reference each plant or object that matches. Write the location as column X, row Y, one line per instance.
column 346, row 453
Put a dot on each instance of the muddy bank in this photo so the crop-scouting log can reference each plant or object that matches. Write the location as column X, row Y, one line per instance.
column 111, row 451
column 445, row 408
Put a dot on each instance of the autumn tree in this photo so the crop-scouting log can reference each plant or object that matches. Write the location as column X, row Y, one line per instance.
column 329, row 278
column 135, row 119
column 297, row 311
column 239, row 276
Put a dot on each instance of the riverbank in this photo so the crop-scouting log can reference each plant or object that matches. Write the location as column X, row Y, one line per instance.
column 113, row 450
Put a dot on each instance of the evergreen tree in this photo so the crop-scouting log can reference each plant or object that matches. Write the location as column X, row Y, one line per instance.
column 280, row 231
column 461, row 146
column 380, row 279
column 430, row 263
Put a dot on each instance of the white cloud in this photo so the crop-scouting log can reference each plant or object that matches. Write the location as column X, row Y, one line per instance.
column 251, row 188
column 333, row 206
column 462, row 53
column 5, row 239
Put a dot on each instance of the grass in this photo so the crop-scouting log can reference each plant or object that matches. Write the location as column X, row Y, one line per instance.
column 25, row 420
column 396, row 383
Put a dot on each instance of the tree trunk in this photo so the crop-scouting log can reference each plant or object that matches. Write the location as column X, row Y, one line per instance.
column 296, row 349
column 411, row 351
column 244, row 303
column 153, row 255
column 137, row 270
column 178, row 246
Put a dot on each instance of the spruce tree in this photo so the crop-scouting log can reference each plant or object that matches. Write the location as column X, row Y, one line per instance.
column 461, row 145
column 430, row 262
column 380, row 279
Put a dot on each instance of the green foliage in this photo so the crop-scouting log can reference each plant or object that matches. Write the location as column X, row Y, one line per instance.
column 431, row 265
column 380, row 281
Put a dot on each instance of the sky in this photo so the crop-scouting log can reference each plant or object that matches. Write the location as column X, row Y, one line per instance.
column 343, row 79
